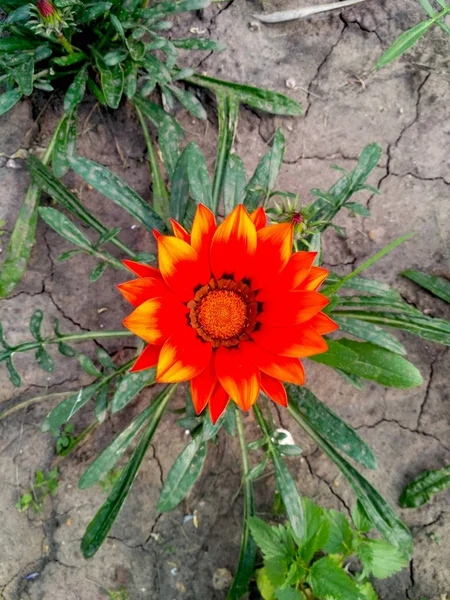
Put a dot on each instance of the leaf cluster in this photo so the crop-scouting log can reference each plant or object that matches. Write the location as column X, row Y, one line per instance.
column 321, row 564
column 44, row 484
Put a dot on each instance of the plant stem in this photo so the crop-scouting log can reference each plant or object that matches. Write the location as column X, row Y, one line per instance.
column 65, row 43
column 70, row 337
column 247, row 555
column 30, row 401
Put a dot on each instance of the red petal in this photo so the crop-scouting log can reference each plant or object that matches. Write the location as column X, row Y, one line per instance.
column 272, row 253
column 147, row 359
column 238, row 376
column 274, row 389
column 183, row 356
column 292, row 308
column 202, row 387
column 233, row 245
column 297, row 270
column 139, row 290
column 142, row 270
column 316, row 276
column 155, row 319
column 281, row 367
column 218, row 402
column 203, row 230
column 259, row 218
column 298, row 341
column 323, row 324
column 180, row 232
column 180, row 266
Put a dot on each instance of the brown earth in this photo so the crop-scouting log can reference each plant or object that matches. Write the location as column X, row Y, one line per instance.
column 404, row 108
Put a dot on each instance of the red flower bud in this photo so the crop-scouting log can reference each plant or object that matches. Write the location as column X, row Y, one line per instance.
column 297, row 218
column 45, row 8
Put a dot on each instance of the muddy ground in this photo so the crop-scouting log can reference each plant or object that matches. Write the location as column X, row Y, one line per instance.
column 404, row 108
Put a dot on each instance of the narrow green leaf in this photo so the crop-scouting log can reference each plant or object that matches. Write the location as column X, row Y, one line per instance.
column 371, row 362
column 66, row 350
column 198, row 175
column 156, row 69
column 114, row 188
column 272, row 102
column 100, row 525
column 189, row 101
column 44, row 360
column 179, row 192
column 8, row 100
column 264, row 177
column 276, row 157
column 386, row 303
column 129, row 387
column 174, row 7
column 370, row 333
column 65, row 228
column 87, row 365
column 421, row 490
column 289, row 494
column 65, row 144
column 169, row 138
column 101, row 405
column 105, row 359
column 76, row 90
column 369, row 286
column 36, row 324
column 70, row 59
column 130, row 79
column 155, row 114
column 353, row 380
column 198, row 44
column 182, row 476
column 404, row 42
column 439, row 286
column 234, row 183
column 332, row 427
column 113, row 82
column 24, row 76
column 68, row 407
column 13, row 374
column 357, row 209
column 97, row 272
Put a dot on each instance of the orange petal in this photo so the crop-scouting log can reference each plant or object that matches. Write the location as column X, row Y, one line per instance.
column 316, row 276
column 292, row 308
column 218, row 402
column 142, row 270
column 296, row 271
column 298, row 341
column 180, row 266
column 272, row 253
column 147, row 359
column 202, row 387
column 281, row 367
column 323, row 324
column 238, row 376
column 183, row 356
column 233, row 245
column 274, row 389
column 203, row 230
column 180, row 232
column 155, row 319
column 259, row 218
column 139, row 290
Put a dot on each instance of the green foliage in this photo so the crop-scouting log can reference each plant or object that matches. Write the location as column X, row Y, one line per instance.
column 439, row 286
column 44, row 484
column 320, row 564
column 422, row 489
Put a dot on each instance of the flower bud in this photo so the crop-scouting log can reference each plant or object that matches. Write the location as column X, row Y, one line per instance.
column 45, row 8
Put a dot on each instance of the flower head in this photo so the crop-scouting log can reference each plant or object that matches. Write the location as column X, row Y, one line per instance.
column 45, row 8
column 230, row 308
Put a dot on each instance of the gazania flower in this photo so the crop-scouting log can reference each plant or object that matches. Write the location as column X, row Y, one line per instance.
column 45, row 8
column 230, row 308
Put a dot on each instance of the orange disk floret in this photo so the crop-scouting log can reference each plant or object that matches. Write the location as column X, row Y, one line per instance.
column 230, row 308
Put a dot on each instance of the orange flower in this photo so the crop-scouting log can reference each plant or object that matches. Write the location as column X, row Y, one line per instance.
column 229, row 309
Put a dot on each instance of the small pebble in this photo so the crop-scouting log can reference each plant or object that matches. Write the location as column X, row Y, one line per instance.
column 14, row 164
column 291, row 83
column 254, row 25
column 222, row 579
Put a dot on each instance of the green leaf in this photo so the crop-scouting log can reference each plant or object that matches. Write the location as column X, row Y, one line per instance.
column 288, row 490
column 68, row 407
column 327, row 579
column 44, row 360
column 404, row 42
column 97, row 272
column 182, row 476
column 369, row 286
column 70, row 59
column 371, row 362
column 101, row 405
column 439, row 286
column 276, row 157
column 317, row 530
column 24, row 76
column 163, row 9
column 155, row 114
column 234, row 183
column 13, row 374
column 269, row 539
column 341, row 538
column 65, row 144
column 332, row 427
column 266, row 100
column 87, row 365
column 189, row 101
column 179, row 192
column 360, row 518
column 118, row 55
column 113, row 81
column 353, row 380
column 66, row 350
column 130, row 79
column 198, row 175
column 156, row 69
column 129, row 387
column 36, row 324
column 75, row 91
column 198, row 44
column 114, row 188
column 375, row 302
column 263, row 180
column 65, row 228
column 370, row 333
column 357, row 209
column 276, row 571
column 289, row 594
column 99, row 527
column 8, row 100
column 380, row 558
column 421, row 490
column 105, row 359
column 169, row 139
column 377, row 509
column 266, row 589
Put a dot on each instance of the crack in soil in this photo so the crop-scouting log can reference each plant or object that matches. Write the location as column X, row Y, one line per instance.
column 417, row 431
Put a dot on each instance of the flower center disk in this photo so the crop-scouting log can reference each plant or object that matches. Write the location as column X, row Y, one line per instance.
column 222, row 314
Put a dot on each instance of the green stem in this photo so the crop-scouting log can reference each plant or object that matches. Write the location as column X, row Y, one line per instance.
column 264, row 426
column 31, row 401
column 159, row 191
column 65, row 43
column 247, row 555
column 70, row 337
